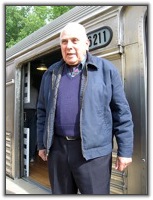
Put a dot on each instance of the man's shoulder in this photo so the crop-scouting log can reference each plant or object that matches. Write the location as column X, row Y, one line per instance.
column 52, row 67
column 101, row 62
column 55, row 65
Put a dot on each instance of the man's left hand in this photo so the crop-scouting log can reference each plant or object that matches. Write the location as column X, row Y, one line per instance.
column 122, row 163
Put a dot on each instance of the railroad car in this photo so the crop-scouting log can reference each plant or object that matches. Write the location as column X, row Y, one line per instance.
column 117, row 33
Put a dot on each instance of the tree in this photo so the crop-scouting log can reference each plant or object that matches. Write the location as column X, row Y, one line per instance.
column 21, row 21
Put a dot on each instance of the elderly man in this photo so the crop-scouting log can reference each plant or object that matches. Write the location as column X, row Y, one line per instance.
column 81, row 107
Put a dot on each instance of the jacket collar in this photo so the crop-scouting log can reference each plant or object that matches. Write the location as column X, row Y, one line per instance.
column 91, row 62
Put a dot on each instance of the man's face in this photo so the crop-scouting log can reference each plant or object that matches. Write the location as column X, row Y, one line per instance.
column 73, row 46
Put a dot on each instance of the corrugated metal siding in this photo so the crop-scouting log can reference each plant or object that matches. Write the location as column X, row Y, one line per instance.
column 9, row 154
column 44, row 33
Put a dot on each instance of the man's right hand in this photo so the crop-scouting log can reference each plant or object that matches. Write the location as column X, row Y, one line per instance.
column 42, row 154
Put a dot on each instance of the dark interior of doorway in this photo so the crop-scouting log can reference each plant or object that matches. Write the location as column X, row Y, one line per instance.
column 38, row 171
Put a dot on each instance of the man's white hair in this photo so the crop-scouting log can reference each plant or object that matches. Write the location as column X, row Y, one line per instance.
column 75, row 26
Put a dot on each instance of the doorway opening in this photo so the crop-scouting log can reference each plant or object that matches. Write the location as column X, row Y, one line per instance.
column 35, row 169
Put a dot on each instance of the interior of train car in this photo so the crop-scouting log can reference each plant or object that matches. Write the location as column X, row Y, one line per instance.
column 37, row 168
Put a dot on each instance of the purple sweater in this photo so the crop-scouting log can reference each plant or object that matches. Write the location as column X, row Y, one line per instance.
column 67, row 118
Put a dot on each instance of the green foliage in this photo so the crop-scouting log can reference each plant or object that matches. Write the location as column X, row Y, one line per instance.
column 21, row 21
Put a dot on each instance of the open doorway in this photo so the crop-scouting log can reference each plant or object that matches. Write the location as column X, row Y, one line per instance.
column 35, row 169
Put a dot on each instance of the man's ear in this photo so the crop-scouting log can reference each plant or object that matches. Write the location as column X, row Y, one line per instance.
column 87, row 44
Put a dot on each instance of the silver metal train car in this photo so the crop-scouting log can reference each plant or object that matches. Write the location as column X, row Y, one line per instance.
column 117, row 33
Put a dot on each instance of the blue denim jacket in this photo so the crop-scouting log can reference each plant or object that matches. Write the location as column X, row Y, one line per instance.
column 105, row 112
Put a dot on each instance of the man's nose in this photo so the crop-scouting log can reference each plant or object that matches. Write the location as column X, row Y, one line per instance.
column 69, row 44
